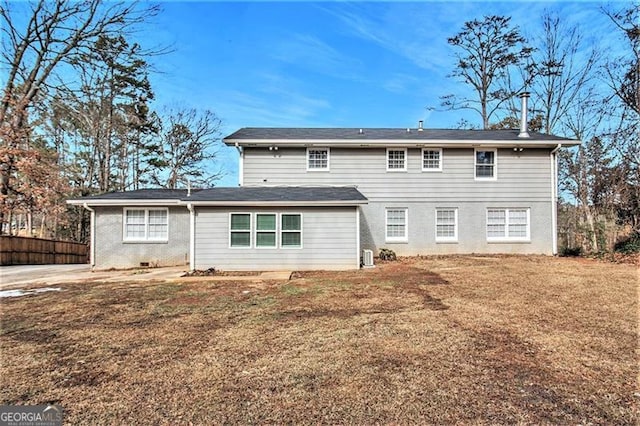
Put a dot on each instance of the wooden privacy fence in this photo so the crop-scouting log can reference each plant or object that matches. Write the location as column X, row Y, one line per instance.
column 36, row 251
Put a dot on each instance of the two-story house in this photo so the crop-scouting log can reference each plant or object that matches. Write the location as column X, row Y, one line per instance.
column 314, row 198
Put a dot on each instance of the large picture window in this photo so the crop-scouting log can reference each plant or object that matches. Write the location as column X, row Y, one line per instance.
column 396, row 225
column 146, row 224
column 265, row 230
column 485, row 164
column 446, row 224
column 508, row 225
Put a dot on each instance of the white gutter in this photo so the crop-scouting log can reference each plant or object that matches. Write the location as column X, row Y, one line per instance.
column 192, row 237
column 92, row 236
column 283, row 203
column 553, row 158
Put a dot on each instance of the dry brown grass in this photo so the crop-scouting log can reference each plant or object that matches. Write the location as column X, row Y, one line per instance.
column 480, row 340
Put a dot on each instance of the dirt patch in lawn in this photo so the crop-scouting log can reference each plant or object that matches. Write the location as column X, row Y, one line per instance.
column 435, row 340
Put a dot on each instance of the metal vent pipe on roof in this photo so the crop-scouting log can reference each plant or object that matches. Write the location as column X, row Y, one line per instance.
column 523, row 116
column 420, row 125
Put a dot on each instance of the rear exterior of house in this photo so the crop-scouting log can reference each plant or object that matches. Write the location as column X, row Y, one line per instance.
column 316, row 198
column 428, row 191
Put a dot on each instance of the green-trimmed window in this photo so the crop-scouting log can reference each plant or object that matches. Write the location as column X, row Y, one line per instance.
column 291, row 230
column 240, row 230
column 265, row 230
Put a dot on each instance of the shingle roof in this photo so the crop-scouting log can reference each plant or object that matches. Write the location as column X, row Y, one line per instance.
column 283, row 133
column 280, row 194
column 140, row 194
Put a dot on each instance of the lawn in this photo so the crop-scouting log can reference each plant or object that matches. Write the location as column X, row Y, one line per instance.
column 429, row 340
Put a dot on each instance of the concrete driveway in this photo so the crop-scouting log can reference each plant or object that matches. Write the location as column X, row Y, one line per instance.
column 18, row 276
column 29, row 276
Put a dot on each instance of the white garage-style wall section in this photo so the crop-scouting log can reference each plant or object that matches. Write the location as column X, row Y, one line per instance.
column 276, row 238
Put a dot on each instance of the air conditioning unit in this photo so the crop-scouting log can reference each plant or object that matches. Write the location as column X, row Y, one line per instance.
column 367, row 258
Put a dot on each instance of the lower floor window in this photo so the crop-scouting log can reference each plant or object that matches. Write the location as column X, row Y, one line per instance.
column 265, row 229
column 146, row 225
column 508, row 224
column 396, row 224
column 446, row 224
column 240, row 230
column 291, row 230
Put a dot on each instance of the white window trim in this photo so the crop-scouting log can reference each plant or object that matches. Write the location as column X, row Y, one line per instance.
column 453, row 239
column 281, row 231
column 429, row 169
column 319, row 169
column 406, row 159
column 507, row 238
column 256, row 230
column 146, row 238
column 403, row 239
column 250, row 233
column 495, row 164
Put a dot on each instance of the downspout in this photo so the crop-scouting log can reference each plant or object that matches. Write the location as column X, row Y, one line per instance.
column 92, row 238
column 240, row 165
column 554, row 198
column 357, row 237
column 192, row 237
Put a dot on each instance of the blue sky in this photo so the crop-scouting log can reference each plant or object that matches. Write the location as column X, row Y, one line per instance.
column 335, row 64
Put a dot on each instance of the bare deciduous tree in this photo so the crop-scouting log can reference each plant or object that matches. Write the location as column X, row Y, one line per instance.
column 486, row 53
column 188, row 141
column 564, row 75
column 56, row 33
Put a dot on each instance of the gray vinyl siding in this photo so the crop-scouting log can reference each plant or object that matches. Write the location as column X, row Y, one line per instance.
column 329, row 241
column 112, row 252
column 521, row 176
column 523, row 181
column 472, row 233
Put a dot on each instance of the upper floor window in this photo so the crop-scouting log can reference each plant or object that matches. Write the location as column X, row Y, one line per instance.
column 508, row 224
column 485, row 164
column 317, row 158
column 146, row 225
column 431, row 159
column 397, row 159
column 396, row 225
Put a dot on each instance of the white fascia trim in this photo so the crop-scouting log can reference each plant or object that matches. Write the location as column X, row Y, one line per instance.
column 124, row 203
column 400, row 143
